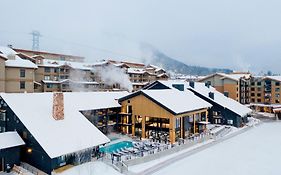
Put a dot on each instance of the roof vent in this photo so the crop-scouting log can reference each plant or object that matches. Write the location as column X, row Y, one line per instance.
column 212, row 95
column 191, row 84
column 58, row 106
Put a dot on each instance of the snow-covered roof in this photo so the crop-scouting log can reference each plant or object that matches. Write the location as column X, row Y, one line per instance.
column 233, row 76
column 17, row 61
column 219, row 98
column 175, row 101
column 10, row 139
column 132, row 70
column 71, row 81
column 277, row 78
column 74, row 132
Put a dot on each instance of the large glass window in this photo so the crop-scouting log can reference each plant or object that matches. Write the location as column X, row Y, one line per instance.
column 47, row 69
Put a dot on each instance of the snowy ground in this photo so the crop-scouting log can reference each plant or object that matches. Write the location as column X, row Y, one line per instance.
column 256, row 151
column 91, row 168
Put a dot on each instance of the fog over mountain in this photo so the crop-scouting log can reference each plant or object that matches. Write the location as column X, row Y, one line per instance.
column 234, row 34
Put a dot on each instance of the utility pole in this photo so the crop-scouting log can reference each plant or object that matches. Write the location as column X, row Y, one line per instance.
column 35, row 40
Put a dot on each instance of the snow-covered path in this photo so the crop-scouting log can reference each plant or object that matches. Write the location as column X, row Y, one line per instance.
column 256, row 151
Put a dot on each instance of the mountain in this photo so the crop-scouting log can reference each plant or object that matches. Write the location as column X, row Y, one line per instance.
column 172, row 65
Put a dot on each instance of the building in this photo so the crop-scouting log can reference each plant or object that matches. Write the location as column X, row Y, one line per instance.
column 265, row 93
column 224, row 110
column 49, row 55
column 17, row 74
column 235, row 85
column 52, row 125
column 10, row 143
column 167, row 113
column 266, row 89
column 34, row 71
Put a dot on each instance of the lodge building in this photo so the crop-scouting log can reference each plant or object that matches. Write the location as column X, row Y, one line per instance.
column 224, row 110
column 171, row 113
column 48, row 127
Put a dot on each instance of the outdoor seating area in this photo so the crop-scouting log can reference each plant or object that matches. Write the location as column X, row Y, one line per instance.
column 145, row 147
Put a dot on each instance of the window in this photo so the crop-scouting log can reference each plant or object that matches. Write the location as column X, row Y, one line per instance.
column 2, row 116
column 47, row 77
column 259, row 100
column 259, row 89
column 49, row 85
column 22, row 72
column 259, row 83
column 258, row 94
column 277, row 83
column 47, row 69
column 252, row 89
column 56, row 78
column 252, row 94
column 230, row 122
column 253, row 83
column 2, row 129
column 277, row 89
column 56, row 70
column 22, row 84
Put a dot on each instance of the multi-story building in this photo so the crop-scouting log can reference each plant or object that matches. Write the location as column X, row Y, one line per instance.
column 235, row 85
column 17, row 74
column 34, row 71
column 266, row 89
column 51, row 56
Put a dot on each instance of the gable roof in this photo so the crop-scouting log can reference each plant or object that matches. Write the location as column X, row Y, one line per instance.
column 219, row 98
column 276, row 78
column 17, row 62
column 74, row 132
column 10, row 139
column 176, row 102
column 232, row 76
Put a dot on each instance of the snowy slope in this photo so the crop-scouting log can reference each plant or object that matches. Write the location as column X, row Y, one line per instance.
column 254, row 152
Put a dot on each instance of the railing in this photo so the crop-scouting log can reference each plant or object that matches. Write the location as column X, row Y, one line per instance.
column 32, row 169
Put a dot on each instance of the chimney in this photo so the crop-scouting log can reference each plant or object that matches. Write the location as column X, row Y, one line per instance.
column 212, row 95
column 58, row 106
column 207, row 84
column 191, row 84
column 11, row 57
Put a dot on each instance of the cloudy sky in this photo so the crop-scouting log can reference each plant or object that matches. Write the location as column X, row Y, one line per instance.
column 236, row 34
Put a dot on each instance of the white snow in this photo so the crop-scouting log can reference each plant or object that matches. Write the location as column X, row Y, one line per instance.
column 177, row 101
column 17, row 62
column 74, row 132
column 10, row 139
column 91, row 168
column 219, row 98
column 256, row 151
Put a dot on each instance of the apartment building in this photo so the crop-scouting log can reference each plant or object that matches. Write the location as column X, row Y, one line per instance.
column 35, row 71
column 49, row 55
column 266, row 89
column 235, row 85
column 17, row 73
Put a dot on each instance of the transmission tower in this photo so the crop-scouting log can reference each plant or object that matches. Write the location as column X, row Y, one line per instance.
column 35, row 40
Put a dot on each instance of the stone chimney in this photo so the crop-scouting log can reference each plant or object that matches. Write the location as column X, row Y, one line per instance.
column 58, row 106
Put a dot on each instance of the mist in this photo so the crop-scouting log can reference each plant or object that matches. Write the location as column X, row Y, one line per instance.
column 111, row 75
column 214, row 33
